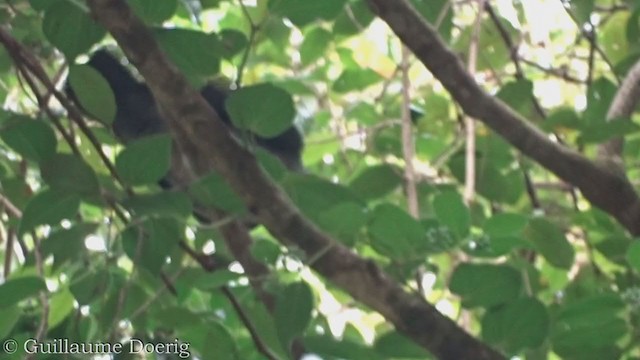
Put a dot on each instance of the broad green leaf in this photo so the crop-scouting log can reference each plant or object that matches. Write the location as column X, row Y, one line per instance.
column 60, row 306
column 69, row 173
column 633, row 255
column 332, row 348
column 163, row 204
column 355, row 80
column 211, row 339
column 70, row 28
column 145, row 161
column 154, row 11
column 438, row 13
column 34, row 140
column 452, row 212
column 343, row 220
column 376, row 181
column 175, row 317
column 516, row 326
column 150, row 243
column 617, row 248
column 67, row 244
column 550, row 242
column 485, row 285
column 561, row 119
column 354, row 21
column 48, row 207
column 93, row 92
column 271, row 111
column 590, row 327
column 215, row 280
column 314, row 195
column 9, row 317
column 600, row 132
column 303, row 12
column 393, row 345
column 599, row 96
column 314, row 45
column 293, row 311
column 213, row 190
column 87, row 286
column 364, row 113
column 518, row 95
column 582, row 10
column 15, row 290
column 505, row 224
column 233, row 42
column 195, row 53
column 394, row 232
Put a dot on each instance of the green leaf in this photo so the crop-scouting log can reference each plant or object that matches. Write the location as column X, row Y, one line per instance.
column 48, row 207
column 213, row 190
column 293, row 311
column 303, row 12
column 394, row 232
column 562, row 118
column 9, row 317
column 551, row 242
column 485, row 285
column 518, row 95
column 376, row 181
column 393, row 345
column 505, row 224
column 60, row 306
column 590, row 327
column 145, row 161
column 70, row 29
column 314, row 195
column 150, row 243
column 343, row 220
column 452, row 212
column 600, row 132
column 69, row 173
column 233, row 42
column 67, row 244
column 93, row 92
column 516, row 326
column 34, row 140
column 87, row 286
column 331, row 348
column 175, row 317
column 163, row 204
column 354, row 21
column 15, row 290
column 195, row 53
column 355, row 80
column 314, row 45
column 212, row 340
column 633, row 255
column 582, row 10
column 271, row 112
column 154, row 11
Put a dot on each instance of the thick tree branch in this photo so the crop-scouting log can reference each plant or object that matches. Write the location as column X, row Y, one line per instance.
column 600, row 182
column 206, row 144
column 622, row 106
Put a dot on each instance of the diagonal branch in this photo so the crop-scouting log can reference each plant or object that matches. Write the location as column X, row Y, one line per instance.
column 190, row 117
column 600, row 182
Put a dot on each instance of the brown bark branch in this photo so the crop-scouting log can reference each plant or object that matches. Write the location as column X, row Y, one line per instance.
column 190, row 117
column 600, row 182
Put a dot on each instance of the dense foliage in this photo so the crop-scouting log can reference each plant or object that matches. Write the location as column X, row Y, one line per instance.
column 94, row 250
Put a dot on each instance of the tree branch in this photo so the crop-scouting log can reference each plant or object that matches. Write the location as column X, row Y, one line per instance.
column 190, row 117
column 600, row 182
